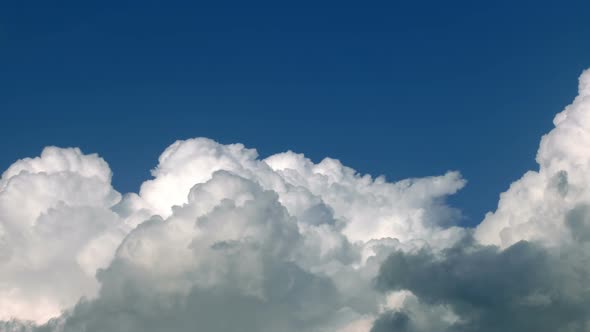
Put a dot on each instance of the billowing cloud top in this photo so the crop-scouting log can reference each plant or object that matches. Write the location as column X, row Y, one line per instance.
column 221, row 240
column 534, row 207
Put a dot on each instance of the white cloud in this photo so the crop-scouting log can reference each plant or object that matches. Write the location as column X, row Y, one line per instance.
column 368, row 208
column 535, row 207
column 222, row 240
column 231, row 221
column 56, row 229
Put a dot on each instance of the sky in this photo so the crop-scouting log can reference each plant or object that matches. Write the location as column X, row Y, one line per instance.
column 294, row 167
column 401, row 89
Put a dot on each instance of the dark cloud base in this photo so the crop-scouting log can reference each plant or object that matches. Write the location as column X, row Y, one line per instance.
column 525, row 287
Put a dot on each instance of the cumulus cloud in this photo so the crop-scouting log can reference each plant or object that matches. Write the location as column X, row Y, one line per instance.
column 535, row 206
column 526, row 266
column 56, row 229
column 369, row 208
column 222, row 240
column 291, row 244
column 524, row 287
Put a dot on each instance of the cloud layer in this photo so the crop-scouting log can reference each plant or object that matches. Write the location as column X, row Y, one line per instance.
column 221, row 240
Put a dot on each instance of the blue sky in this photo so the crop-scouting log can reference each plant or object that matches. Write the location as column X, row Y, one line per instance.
column 404, row 89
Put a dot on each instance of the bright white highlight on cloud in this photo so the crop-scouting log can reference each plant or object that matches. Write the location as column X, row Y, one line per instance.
column 222, row 240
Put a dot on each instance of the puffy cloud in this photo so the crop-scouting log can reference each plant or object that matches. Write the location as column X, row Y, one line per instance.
column 231, row 268
column 408, row 210
column 411, row 209
column 535, row 206
column 524, row 287
column 293, row 245
column 56, row 229
column 233, row 258
column 186, row 163
column 526, row 268
column 222, row 240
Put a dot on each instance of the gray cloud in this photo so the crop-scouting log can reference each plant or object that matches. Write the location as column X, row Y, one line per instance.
column 524, row 287
column 392, row 321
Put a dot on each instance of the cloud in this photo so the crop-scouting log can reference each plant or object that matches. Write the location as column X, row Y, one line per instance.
column 294, row 243
column 230, row 268
column 535, row 206
column 56, row 229
column 524, row 287
column 526, row 267
column 369, row 208
column 222, row 240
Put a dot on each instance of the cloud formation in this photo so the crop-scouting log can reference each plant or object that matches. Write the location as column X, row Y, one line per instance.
column 292, row 240
column 535, row 205
column 56, row 230
column 221, row 240
column 524, row 287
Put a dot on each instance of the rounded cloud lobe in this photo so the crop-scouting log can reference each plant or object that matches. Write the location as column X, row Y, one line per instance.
column 222, row 240
column 56, row 229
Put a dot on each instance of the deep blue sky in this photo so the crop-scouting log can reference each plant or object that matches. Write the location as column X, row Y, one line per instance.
column 401, row 88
